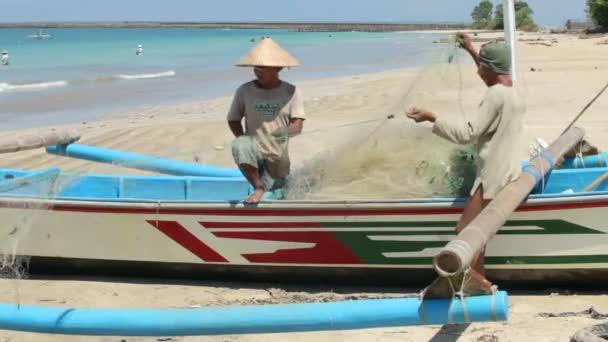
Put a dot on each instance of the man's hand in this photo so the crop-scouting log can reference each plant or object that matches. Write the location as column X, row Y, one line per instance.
column 421, row 115
column 295, row 126
column 464, row 39
column 280, row 134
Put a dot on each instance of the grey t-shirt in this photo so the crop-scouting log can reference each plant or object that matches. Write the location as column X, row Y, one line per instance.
column 267, row 114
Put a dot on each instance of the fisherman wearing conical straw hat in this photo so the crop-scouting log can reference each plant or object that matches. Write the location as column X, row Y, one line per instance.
column 497, row 130
column 272, row 111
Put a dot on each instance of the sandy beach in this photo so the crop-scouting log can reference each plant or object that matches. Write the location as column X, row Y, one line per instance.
column 557, row 78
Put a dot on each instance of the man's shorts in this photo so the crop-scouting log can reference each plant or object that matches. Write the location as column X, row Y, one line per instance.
column 246, row 151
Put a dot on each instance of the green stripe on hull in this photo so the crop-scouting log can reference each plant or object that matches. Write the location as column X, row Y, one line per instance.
column 372, row 251
column 549, row 260
column 548, row 227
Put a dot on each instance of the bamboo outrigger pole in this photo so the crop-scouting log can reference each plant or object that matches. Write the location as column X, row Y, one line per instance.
column 457, row 255
column 32, row 141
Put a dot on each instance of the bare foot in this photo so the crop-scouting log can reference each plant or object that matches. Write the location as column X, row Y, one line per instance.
column 478, row 284
column 255, row 197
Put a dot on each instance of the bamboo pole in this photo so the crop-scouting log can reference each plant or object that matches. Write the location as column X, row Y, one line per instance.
column 457, row 255
column 596, row 182
column 32, row 141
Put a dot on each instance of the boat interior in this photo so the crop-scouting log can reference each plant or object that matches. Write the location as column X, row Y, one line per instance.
column 558, row 183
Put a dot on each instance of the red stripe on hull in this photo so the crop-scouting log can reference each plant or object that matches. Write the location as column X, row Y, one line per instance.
column 236, row 225
column 293, row 212
column 182, row 236
column 327, row 249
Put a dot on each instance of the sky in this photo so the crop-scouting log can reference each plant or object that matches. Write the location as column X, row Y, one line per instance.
column 547, row 12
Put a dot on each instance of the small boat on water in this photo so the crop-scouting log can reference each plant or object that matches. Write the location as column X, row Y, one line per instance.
column 195, row 226
column 40, row 35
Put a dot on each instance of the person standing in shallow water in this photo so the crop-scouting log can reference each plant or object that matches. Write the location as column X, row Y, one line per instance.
column 272, row 111
column 496, row 130
column 5, row 59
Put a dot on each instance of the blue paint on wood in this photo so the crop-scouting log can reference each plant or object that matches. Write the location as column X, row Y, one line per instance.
column 346, row 315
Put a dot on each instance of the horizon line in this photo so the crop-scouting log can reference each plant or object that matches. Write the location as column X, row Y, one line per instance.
column 392, row 22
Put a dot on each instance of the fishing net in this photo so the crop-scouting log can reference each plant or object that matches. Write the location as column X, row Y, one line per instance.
column 395, row 158
column 25, row 208
column 391, row 167
column 351, row 150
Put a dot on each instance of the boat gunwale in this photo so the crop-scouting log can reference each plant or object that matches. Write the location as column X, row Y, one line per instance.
column 597, row 199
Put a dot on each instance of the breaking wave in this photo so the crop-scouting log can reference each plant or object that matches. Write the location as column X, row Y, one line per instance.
column 33, row 86
column 39, row 86
column 169, row 73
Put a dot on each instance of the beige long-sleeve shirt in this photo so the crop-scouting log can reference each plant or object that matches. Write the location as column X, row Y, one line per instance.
column 497, row 130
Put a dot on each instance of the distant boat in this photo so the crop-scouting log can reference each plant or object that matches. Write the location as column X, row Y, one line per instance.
column 40, row 35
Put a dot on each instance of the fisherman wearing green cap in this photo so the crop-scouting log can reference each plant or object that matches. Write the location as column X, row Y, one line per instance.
column 496, row 130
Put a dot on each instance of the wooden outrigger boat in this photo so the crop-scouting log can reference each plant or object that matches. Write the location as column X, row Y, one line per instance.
column 197, row 227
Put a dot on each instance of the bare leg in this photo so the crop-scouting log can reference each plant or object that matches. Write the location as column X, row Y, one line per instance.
column 252, row 175
column 474, row 206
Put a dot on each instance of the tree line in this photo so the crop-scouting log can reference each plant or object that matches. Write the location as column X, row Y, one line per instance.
column 598, row 12
column 488, row 16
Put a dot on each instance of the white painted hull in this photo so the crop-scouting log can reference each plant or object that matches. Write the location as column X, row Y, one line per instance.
column 545, row 236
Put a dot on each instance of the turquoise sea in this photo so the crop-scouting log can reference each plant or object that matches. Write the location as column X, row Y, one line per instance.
column 82, row 74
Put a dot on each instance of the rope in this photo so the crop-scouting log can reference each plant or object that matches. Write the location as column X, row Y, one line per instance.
column 461, row 295
column 585, row 108
column 352, row 124
column 421, row 313
column 551, row 163
column 493, row 303
column 460, row 86
column 543, row 173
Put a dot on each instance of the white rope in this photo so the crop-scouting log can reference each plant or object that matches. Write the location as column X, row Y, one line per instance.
column 421, row 312
column 460, row 294
column 450, row 319
column 542, row 177
column 493, row 303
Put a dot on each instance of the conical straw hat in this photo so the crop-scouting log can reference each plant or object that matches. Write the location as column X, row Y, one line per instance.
column 268, row 53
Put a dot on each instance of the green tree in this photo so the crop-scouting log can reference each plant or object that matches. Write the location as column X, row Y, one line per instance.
column 482, row 15
column 499, row 18
column 523, row 17
column 598, row 11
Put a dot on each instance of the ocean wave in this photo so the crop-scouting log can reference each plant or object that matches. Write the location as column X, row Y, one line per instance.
column 38, row 86
column 169, row 73
column 33, row 86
